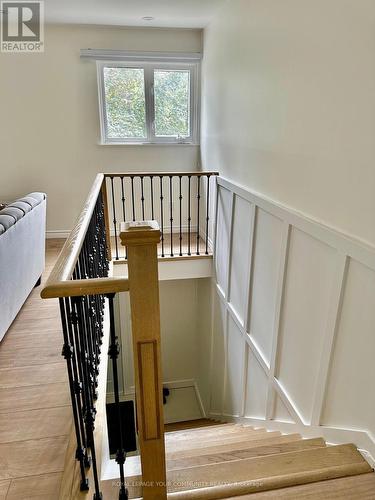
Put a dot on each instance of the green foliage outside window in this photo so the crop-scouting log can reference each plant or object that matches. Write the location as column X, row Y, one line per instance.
column 125, row 102
column 172, row 106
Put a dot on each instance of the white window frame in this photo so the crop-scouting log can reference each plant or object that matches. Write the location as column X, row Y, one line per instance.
column 149, row 67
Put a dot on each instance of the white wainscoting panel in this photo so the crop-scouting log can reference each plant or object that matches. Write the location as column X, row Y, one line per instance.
column 304, row 314
column 281, row 413
column 218, row 355
column 256, row 388
column 266, row 264
column 240, row 255
column 350, row 400
column 234, row 381
column 293, row 327
column 223, row 235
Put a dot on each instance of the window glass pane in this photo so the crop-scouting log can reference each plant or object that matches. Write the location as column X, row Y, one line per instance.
column 125, row 103
column 172, row 103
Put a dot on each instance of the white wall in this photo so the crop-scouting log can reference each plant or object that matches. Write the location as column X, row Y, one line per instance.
column 49, row 128
column 289, row 105
column 184, row 317
column 293, row 339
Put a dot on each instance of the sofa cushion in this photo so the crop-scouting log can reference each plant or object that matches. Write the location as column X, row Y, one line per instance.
column 38, row 196
column 22, row 205
column 14, row 212
column 33, row 202
column 7, row 221
column 2, row 229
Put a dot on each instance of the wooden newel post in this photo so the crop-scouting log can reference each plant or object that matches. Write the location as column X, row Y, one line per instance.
column 141, row 240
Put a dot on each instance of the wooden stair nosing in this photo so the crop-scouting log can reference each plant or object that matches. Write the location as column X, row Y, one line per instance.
column 358, row 487
column 267, row 484
column 260, row 440
column 231, row 456
column 294, row 461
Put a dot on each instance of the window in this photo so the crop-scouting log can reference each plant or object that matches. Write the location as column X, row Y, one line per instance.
column 148, row 102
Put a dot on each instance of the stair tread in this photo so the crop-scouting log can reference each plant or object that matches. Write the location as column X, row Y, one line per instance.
column 220, row 446
column 203, row 441
column 227, row 456
column 199, row 428
column 193, row 424
column 267, row 472
column 360, row 487
column 206, row 434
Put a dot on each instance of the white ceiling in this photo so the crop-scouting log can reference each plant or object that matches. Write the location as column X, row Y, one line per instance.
column 167, row 13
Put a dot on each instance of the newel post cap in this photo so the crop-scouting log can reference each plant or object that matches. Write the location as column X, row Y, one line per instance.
column 139, row 233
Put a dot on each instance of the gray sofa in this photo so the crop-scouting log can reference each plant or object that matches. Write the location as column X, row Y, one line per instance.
column 22, row 249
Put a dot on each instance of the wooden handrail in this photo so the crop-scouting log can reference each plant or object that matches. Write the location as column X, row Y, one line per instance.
column 90, row 286
column 59, row 283
column 158, row 174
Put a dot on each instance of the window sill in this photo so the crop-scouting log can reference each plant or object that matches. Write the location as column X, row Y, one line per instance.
column 148, row 143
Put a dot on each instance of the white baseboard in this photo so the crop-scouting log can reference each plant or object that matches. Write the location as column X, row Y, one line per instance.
column 364, row 442
column 57, row 234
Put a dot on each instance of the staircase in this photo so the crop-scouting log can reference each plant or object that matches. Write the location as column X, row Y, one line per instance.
column 230, row 460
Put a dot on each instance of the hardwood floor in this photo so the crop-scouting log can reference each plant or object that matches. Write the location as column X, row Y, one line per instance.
column 35, row 413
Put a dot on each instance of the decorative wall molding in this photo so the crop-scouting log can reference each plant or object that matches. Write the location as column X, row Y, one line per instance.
column 302, row 249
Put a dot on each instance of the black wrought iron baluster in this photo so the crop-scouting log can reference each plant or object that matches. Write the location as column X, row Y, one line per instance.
column 99, row 242
column 207, row 211
column 93, row 348
column 89, row 403
column 198, row 210
column 142, row 199
column 133, row 200
column 69, row 355
column 113, row 354
column 80, row 352
column 87, row 259
column 171, row 211
column 77, row 375
column 114, row 216
column 152, row 196
column 161, row 215
column 123, row 199
column 180, row 199
column 189, row 214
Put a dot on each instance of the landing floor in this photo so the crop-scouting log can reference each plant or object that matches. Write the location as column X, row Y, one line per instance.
column 35, row 412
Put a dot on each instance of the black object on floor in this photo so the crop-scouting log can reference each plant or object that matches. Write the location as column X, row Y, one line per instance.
column 128, row 427
column 165, row 395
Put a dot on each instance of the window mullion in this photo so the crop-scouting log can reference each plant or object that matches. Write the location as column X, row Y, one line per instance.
column 150, row 114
